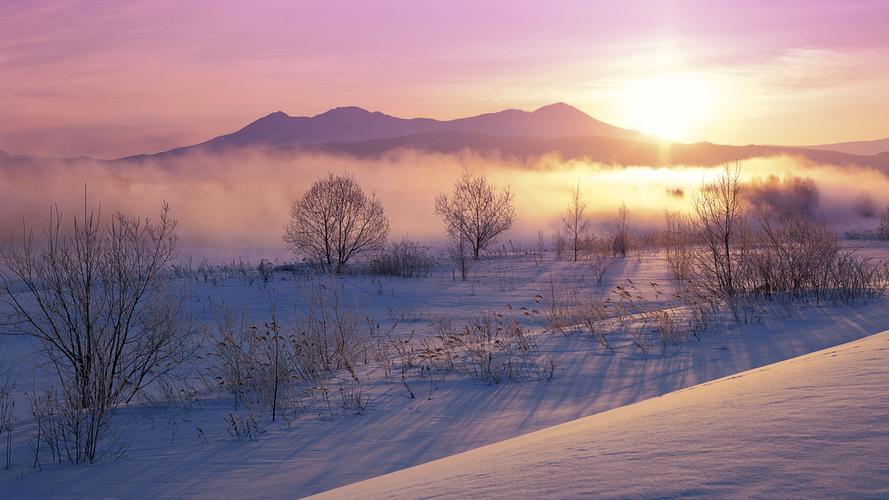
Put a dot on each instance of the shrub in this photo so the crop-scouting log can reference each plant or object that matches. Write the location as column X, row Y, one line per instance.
column 620, row 241
column 99, row 303
column 789, row 257
column 404, row 259
column 491, row 348
column 559, row 245
column 7, row 405
column 883, row 229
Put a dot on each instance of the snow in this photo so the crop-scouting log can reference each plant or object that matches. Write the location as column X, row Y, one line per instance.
column 811, row 426
column 186, row 451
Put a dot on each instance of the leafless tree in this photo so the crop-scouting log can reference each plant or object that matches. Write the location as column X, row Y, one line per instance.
column 718, row 220
column 575, row 220
column 621, row 241
column 335, row 221
column 476, row 212
column 97, row 299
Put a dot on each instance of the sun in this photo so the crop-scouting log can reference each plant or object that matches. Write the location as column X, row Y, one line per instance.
column 674, row 106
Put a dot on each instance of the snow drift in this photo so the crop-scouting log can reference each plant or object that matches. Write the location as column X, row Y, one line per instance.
column 813, row 425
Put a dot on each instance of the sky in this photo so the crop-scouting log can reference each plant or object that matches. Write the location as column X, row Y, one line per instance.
column 106, row 78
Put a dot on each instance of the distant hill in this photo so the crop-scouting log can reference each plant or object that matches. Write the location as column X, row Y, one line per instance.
column 554, row 129
column 354, row 124
column 607, row 150
column 857, row 148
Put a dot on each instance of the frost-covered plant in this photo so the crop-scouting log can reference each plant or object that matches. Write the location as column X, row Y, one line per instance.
column 335, row 221
column 99, row 303
column 493, row 348
column 7, row 405
column 328, row 335
column 405, row 259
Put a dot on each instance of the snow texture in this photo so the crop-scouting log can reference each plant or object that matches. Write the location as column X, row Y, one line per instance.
column 813, row 426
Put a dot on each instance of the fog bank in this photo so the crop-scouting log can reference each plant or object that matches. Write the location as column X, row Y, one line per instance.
column 236, row 204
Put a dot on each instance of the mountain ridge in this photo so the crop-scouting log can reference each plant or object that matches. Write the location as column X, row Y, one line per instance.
column 356, row 124
column 862, row 148
column 556, row 128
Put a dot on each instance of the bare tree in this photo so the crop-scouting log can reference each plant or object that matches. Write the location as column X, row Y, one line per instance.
column 718, row 220
column 575, row 220
column 335, row 221
column 475, row 212
column 97, row 299
column 621, row 241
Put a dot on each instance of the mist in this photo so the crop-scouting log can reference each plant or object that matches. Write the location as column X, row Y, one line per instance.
column 235, row 205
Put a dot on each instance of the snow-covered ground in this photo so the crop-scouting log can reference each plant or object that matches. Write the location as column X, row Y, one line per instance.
column 812, row 426
column 186, row 450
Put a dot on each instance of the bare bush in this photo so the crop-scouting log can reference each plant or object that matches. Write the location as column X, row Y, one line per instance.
column 559, row 244
column 590, row 314
column 559, row 307
column 678, row 241
column 234, row 351
column 601, row 258
column 718, row 221
column 336, row 221
column 790, row 257
column 97, row 299
column 797, row 259
column 621, row 238
column 266, row 367
column 255, row 363
column 491, row 348
column 883, row 229
column 53, row 421
column 327, row 336
column 459, row 253
column 7, row 407
column 266, row 270
column 243, row 425
column 406, row 259
column 475, row 213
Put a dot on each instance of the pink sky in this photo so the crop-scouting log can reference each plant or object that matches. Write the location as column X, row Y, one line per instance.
column 110, row 78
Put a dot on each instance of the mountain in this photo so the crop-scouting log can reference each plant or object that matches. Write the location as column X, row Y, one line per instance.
column 554, row 129
column 354, row 124
column 856, row 148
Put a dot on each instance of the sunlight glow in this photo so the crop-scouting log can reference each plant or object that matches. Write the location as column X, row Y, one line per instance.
column 671, row 106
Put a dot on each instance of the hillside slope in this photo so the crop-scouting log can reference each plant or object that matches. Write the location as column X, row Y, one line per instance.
column 863, row 148
column 813, row 425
